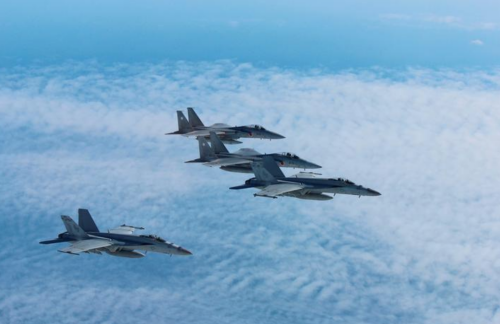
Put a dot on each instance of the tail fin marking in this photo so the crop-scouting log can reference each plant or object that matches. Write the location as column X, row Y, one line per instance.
column 206, row 152
column 184, row 126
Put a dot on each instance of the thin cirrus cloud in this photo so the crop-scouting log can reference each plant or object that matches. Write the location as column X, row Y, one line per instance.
column 437, row 20
column 93, row 136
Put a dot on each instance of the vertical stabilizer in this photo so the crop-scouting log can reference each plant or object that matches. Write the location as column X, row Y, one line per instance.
column 206, row 152
column 72, row 228
column 267, row 170
column 86, row 222
column 184, row 126
column 194, row 120
column 217, row 144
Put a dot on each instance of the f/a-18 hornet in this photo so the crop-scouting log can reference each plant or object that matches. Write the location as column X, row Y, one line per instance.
column 217, row 155
column 304, row 185
column 85, row 237
column 228, row 134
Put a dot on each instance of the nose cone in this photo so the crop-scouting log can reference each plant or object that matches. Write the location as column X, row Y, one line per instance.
column 310, row 165
column 373, row 192
column 272, row 135
column 183, row 251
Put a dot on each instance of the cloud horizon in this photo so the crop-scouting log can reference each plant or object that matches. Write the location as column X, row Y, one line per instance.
column 87, row 135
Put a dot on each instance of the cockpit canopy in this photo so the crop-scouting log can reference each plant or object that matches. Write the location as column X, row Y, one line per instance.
column 345, row 180
column 220, row 125
column 290, row 155
column 154, row 237
column 257, row 127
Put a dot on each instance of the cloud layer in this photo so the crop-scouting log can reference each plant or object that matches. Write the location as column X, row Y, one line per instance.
column 87, row 135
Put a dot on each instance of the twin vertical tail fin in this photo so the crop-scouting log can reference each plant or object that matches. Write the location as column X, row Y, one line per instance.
column 183, row 123
column 86, row 221
column 72, row 228
column 184, row 126
column 194, row 120
column 206, row 152
column 217, row 145
column 187, row 125
column 267, row 170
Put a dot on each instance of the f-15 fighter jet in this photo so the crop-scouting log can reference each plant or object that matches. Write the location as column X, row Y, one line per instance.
column 304, row 185
column 240, row 161
column 85, row 237
column 228, row 134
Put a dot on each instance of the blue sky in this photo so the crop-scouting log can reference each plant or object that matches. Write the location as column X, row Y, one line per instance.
column 329, row 34
column 400, row 98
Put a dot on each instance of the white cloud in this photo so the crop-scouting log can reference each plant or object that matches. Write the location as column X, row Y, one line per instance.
column 92, row 136
column 419, row 20
column 395, row 16
column 477, row 42
column 234, row 23
column 442, row 19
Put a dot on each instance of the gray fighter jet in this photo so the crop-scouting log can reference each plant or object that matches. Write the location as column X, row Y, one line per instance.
column 85, row 237
column 304, row 185
column 240, row 161
column 194, row 127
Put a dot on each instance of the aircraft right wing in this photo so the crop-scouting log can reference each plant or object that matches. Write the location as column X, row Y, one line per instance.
column 86, row 245
column 275, row 190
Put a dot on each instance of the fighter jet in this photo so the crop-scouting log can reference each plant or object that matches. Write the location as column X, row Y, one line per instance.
column 85, row 237
column 304, row 185
column 194, row 127
column 240, row 161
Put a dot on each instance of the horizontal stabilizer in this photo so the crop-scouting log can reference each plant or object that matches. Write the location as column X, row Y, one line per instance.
column 57, row 240
column 243, row 186
column 196, row 161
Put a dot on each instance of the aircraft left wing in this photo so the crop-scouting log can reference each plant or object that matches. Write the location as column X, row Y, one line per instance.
column 125, row 229
column 86, row 245
column 227, row 161
column 275, row 190
column 206, row 132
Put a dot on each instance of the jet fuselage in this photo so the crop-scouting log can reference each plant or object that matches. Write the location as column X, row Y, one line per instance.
column 317, row 186
column 125, row 242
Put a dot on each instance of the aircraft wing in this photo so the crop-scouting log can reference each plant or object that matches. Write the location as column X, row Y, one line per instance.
column 206, row 132
column 86, row 245
column 227, row 161
column 124, row 229
column 275, row 190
